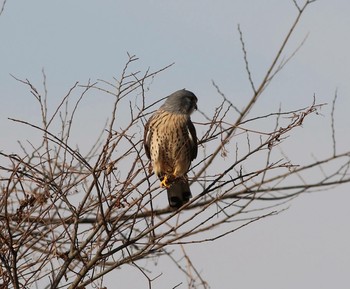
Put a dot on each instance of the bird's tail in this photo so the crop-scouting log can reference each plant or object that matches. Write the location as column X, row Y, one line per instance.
column 179, row 193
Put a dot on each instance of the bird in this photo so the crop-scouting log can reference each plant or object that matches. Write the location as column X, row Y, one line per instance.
column 170, row 142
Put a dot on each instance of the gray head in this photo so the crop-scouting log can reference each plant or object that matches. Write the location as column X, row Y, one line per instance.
column 181, row 101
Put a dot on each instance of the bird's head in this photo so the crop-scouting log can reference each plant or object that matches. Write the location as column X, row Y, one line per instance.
column 181, row 102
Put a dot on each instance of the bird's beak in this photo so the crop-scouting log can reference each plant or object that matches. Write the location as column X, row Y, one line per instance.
column 195, row 106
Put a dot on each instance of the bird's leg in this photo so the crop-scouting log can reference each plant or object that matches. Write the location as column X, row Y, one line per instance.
column 165, row 182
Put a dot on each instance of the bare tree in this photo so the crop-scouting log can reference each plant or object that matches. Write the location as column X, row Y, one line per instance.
column 68, row 219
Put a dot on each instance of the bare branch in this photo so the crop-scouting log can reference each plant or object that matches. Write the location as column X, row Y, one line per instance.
column 245, row 57
column 2, row 7
column 333, row 123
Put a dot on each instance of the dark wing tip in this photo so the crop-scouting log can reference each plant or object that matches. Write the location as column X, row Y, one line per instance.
column 147, row 138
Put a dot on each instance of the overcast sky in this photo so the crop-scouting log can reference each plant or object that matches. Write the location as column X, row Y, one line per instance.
column 305, row 247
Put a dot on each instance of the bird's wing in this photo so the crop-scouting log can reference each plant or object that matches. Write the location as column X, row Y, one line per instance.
column 193, row 139
column 147, row 138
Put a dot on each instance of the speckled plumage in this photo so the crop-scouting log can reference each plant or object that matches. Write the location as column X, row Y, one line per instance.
column 171, row 144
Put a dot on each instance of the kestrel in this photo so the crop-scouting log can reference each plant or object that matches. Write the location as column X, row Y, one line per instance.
column 171, row 144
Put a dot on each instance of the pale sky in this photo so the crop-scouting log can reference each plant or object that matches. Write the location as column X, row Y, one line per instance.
column 306, row 246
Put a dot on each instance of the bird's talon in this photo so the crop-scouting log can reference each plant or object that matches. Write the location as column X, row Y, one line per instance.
column 164, row 183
